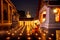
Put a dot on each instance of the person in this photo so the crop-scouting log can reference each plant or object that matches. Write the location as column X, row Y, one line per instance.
column 36, row 28
column 33, row 30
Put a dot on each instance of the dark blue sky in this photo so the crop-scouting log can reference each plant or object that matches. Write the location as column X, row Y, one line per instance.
column 26, row 5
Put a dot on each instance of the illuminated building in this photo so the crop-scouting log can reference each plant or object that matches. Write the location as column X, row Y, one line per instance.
column 28, row 15
column 7, row 13
column 49, row 17
column 27, row 22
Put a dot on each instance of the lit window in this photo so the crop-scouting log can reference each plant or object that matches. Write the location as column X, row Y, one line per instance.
column 44, row 16
column 57, row 17
column 57, row 14
column 58, row 34
column 55, row 10
column 43, row 19
column 44, row 12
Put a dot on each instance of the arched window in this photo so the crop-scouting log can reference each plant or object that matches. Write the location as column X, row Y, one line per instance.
column 43, row 16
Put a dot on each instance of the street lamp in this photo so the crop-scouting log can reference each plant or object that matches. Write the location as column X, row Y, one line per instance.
column 8, row 38
column 49, row 38
column 52, row 34
column 39, row 38
column 18, row 37
column 29, row 38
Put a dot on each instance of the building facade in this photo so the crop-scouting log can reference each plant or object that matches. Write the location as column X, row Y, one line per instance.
column 49, row 17
column 7, row 13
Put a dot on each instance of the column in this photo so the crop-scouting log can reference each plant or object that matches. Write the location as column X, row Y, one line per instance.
column 2, row 10
column 8, row 14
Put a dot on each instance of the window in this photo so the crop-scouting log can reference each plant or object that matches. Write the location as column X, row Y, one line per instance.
column 44, row 16
column 57, row 17
column 57, row 14
column 57, row 34
column 5, row 10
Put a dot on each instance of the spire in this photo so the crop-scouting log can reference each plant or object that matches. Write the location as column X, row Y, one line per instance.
column 28, row 14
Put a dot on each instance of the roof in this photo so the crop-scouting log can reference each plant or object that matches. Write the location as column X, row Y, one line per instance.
column 53, row 2
column 26, row 19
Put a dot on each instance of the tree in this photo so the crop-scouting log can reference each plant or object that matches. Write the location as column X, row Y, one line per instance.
column 21, row 13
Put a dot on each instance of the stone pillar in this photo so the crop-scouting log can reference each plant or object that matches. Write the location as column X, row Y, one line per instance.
column 8, row 14
column 2, row 10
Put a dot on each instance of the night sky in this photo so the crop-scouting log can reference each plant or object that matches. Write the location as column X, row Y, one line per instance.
column 26, row 5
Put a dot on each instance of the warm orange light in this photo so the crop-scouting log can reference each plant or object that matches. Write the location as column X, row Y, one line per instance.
column 37, row 21
column 44, row 34
column 59, row 38
column 29, row 38
column 46, row 31
column 18, row 37
column 13, row 34
column 15, row 31
column 39, row 38
column 43, row 19
column 28, row 34
column 49, row 37
column 52, row 34
column 57, row 15
column 20, row 34
column 44, row 12
column 55, row 10
column 33, row 30
column 8, row 38
column 36, row 34
column 8, row 33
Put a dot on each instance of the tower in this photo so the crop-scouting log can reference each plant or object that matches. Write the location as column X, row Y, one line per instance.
column 28, row 14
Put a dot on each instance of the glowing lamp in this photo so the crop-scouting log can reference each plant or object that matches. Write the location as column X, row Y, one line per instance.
column 55, row 10
column 29, row 38
column 39, row 38
column 49, row 37
column 18, row 37
column 8, row 38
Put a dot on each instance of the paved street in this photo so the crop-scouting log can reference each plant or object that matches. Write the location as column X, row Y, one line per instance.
column 20, row 33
